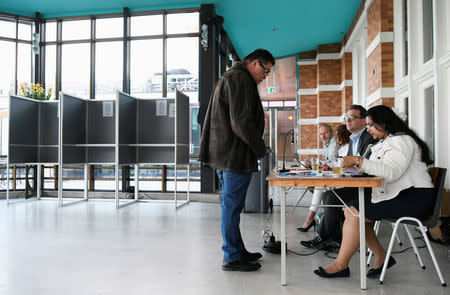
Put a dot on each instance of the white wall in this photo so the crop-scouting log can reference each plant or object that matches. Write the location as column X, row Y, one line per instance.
column 421, row 75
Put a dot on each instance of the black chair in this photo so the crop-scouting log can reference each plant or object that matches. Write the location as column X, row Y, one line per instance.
column 438, row 176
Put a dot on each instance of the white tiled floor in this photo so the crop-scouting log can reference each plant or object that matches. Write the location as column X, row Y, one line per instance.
column 148, row 248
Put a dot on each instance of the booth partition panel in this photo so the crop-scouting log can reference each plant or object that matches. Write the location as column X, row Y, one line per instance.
column 101, row 131
column 33, row 134
column 48, row 134
column 155, row 126
column 156, row 155
column 74, row 119
column 48, row 123
column 101, row 117
column 33, row 131
column 183, row 128
column 127, row 125
column 23, row 144
column 78, row 131
column 149, row 131
column 73, row 129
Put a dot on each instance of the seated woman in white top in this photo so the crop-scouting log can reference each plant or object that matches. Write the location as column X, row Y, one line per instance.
column 401, row 158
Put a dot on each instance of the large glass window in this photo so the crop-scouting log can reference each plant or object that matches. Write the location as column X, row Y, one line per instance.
column 50, row 31
column 16, row 67
column 24, row 63
column 49, row 177
column 180, row 23
column 147, row 44
column 76, row 29
column 75, row 72
column 182, row 67
column 146, row 25
column 109, row 27
column 427, row 30
column 146, row 68
column 429, row 119
column 104, row 177
column 7, row 28
column 108, row 69
column 73, row 177
column 182, row 75
column 150, row 178
column 405, row 36
column 7, row 60
column 50, row 68
column 24, row 31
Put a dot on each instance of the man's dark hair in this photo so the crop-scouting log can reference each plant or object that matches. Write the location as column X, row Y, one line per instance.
column 262, row 55
column 361, row 109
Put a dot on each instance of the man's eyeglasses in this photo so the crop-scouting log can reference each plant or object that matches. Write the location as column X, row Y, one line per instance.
column 351, row 118
column 266, row 71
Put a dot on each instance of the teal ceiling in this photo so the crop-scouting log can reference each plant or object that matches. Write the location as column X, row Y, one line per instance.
column 284, row 27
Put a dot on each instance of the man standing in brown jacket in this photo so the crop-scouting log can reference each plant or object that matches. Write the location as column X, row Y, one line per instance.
column 231, row 143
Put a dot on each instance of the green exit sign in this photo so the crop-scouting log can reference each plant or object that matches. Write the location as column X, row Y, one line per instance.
column 271, row 90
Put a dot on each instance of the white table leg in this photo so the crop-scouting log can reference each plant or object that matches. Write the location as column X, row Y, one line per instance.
column 283, row 235
column 86, row 182
column 38, row 185
column 362, row 238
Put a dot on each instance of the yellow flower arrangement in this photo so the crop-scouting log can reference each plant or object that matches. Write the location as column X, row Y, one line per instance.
column 36, row 92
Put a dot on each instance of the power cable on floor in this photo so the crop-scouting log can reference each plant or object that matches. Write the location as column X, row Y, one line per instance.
column 303, row 254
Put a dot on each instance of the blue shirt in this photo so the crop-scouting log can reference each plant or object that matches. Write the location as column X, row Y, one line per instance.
column 355, row 141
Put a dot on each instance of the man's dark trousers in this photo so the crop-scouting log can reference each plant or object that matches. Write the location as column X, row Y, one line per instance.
column 331, row 226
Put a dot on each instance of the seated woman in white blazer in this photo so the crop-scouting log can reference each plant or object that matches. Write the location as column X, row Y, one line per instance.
column 401, row 158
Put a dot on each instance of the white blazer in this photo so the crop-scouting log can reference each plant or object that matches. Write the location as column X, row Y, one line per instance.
column 398, row 160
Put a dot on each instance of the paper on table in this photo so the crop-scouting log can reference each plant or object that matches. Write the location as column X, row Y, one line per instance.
column 351, row 171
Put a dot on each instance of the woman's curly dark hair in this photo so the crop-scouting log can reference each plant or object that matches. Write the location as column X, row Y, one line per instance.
column 342, row 134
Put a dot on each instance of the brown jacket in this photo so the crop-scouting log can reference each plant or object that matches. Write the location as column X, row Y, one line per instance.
column 234, row 124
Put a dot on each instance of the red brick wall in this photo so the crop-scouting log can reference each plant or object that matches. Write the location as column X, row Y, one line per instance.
column 347, row 97
column 346, row 66
column 308, row 76
column 387, row 64
column 308, row 54
column 329, row 72
column 381, row 60
column 374, row 70
column 308, row 136
column 387, row 101
column 329, row 48
column 387, row 15
column 330, row 103
column 333, row 72
column 308, row 106
column 373, row 20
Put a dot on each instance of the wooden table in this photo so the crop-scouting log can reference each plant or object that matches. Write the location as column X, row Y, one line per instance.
column 324, row 181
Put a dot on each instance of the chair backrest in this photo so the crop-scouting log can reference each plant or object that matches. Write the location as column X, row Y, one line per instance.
column 438, row 177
